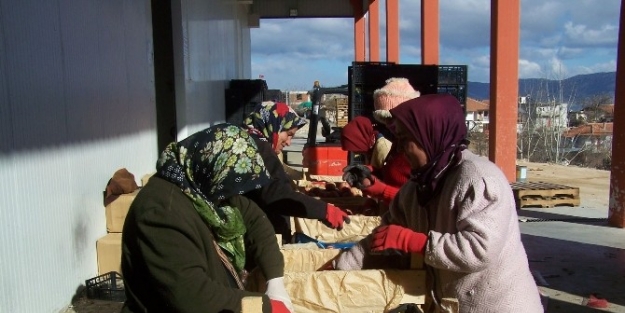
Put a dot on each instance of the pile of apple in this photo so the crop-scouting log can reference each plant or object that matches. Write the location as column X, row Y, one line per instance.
column 349, row 199
column 330, row 190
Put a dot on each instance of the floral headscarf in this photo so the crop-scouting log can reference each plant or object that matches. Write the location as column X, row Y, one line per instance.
column 213, row 165
column 269, row 119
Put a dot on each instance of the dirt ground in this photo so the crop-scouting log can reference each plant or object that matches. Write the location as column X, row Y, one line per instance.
column 594, row 193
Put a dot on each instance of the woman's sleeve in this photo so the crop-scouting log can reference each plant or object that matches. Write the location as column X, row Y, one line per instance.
column 260, row 239
column 175, row 260
column 279, row 196
column 483, row 217
column 381, row 149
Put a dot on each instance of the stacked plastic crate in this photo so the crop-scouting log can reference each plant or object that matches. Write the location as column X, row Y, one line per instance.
column 365, row 77
column 243, row 95
column 452, row 79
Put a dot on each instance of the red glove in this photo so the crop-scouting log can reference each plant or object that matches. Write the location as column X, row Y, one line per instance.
column 395, row 237
column 335, row 217
column 380, row 190
column 278, row 307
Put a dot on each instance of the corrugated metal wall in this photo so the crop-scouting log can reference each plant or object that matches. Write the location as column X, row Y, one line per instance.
column 212, row 45
column 76, row 104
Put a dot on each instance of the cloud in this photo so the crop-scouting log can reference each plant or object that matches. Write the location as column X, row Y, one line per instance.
column 529, row 69
column 564, row 36
column 582, row 35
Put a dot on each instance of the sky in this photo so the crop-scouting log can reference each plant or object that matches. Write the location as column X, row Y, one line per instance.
column 558, row 39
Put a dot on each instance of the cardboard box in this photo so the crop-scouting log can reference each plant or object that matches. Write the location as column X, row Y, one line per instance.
column 359, row 227
column 109, row 250
column 308, row 258
column 350, row 291
column 116, row 211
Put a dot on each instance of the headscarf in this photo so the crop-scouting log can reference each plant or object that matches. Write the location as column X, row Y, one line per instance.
column 358, row 135
column 269, row 119
column 213, row 165
column 437, row 122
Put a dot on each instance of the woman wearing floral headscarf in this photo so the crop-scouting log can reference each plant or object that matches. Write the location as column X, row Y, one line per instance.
column 458, row 211
column 273, row 125
column 189, row 230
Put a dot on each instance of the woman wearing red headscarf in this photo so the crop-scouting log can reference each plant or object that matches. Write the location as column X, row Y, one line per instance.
column 458, row 210
column 385, row 169
column 359, row 137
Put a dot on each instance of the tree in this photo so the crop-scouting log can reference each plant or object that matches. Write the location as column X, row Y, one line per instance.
column 543, row 117
column 592, row 107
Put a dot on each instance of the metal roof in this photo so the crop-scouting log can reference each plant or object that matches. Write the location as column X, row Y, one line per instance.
column 300, row 8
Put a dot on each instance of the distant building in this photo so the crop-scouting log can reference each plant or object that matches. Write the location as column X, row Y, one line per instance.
column 295, row 98
column 592, row 137
column 477, row 115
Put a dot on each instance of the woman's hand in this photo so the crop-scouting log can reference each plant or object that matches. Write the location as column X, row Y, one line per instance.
column 355, row 175
column 397, row 238
column 335, row 217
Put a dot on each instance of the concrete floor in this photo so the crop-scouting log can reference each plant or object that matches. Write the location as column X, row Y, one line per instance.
column 571, row 250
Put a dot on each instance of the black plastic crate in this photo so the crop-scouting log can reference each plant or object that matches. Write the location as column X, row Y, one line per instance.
column 255, row 84
column 359, row 71
column 458, row 91
column 109, row 286
column 452, row 74
column 274, row 95
column 240, row 103
column 365, row 77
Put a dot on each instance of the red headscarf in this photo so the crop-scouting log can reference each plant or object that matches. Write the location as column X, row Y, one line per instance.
column 358, row 135
column 437, row 122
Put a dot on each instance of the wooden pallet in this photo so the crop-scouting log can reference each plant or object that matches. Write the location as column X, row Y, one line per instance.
column 545, row 195
column 530, row 201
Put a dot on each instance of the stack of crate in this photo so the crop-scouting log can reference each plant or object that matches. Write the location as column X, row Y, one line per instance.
column 342, row 115
column 365, row 77
column 243, row 95
column 109, row 247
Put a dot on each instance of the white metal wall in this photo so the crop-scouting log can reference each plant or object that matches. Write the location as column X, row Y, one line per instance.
column 212, row 45
column 76, row 104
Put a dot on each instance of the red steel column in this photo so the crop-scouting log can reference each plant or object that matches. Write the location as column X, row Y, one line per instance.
column 504, row 84
column 359, row 31
column 429, row 31
column 392, row 31
column 374, row 30
column 616, row 213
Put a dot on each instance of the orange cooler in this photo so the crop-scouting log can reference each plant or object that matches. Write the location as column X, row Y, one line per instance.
column 324, row 159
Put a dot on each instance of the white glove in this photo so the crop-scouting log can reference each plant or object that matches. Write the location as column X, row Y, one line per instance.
column 276, row 291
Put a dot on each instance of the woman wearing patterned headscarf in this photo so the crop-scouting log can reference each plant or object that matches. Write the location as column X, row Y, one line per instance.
column 189, row 230
column 458, row 211
column 273, row 125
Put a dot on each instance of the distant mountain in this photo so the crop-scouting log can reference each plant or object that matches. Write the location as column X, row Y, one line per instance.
column 574, row 90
